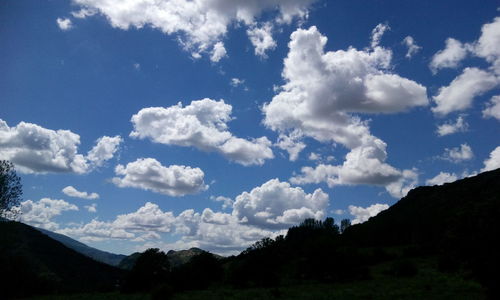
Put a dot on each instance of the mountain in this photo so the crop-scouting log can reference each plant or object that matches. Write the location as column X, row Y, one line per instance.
column 33, row 263
column 175, row 258
column 458, row 221
column 99, row 255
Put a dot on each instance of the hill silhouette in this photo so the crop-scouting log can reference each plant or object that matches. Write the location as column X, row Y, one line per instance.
column 437, row 242
column 33, row 263
column 96, row 254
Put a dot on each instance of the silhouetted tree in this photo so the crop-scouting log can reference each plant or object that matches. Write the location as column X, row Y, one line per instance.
column 344, row 224
column 10, row 187
column 151, row 269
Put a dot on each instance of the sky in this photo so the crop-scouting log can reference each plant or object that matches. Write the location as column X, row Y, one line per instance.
column 215, row 123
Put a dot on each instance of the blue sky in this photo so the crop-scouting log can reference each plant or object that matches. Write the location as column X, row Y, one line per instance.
column 288, row 109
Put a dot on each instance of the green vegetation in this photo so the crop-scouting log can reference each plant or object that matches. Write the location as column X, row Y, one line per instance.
column 436, row 243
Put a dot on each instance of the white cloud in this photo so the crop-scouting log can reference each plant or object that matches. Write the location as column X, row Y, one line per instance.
column 64, row 24
column 72, row 192
column 314, row 156
column 377, row 34
column 83, row 13
column 41, row 213
column 149, row 174
column 442, row 178
column 104, row 150
column 487, row 45
column 323, row 89
column 450, row 56
column 460, row 125
column 262, row 39
column 202, row 125
column 226, row 201
column 92, row 208
column 34, row 149
column 363, row 165
column 198, row 25
column 412, row 46
column 362, row 214
column 276, row 204
column 493, row 108
column 493, row 162
column 213, row 231
column 292, row 144
column 462, row 90
column 237, row 82
column 218, row 52
column 457, row 155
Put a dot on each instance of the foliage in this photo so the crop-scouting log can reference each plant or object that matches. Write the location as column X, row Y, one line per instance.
column 10, row 187
column 150, row 270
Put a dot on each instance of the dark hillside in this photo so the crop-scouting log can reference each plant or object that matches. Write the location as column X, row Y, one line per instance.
column 99, row 255
column 459, row 221
column 33, row 263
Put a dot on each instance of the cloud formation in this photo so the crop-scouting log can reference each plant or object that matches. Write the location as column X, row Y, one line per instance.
column 64, row 24
column 276, row 204
column 199, row 25
column 203, row 125
column 460, row 93
column 362, row 214
column 149, row 174
column 412, row 46
column 262, row 39
column 34, row 149
column 493, row 162
column 458, row 155
column 450, row 56
column 492, row 109
column 72, row 192
column 441, row 178
column 448, row 128
column 41, row 213
column 323, row 89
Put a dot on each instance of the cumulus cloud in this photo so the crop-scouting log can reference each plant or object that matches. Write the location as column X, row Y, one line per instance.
column 199, row 25
column 460, row 125
column 450, row 56
column 104, row 150
column 235, row 82
column 487, row 45
column 323, row 89
column 362, row 214
column 226, row 201
column 41, row 213
column 442, row 178
column 262, row 39
column 203, row 125
column 493, row 162
column 462, row 90
column 377, row 34
column 492, row 109
column 92, row 208
column 150, row 174
column 72, row 192
column 276, row 204
column 213, row 231
column 64, row 24
column 412, row 46
column 292, row 144
column 218, row 52
column 34, row 149
column 457, row 154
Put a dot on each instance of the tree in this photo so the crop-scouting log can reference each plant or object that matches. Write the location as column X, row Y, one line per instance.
column 151, row 269
column 10, row 187
column 344, row 224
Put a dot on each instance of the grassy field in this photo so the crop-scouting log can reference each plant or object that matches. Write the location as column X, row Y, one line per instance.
column 385, row 283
